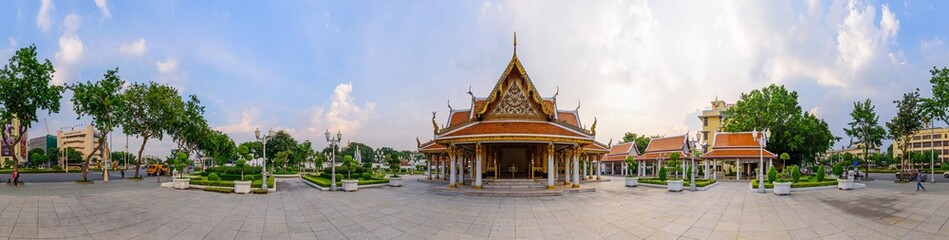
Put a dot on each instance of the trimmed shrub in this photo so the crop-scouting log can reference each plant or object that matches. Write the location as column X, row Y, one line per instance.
column 772, row 174
column 259, row 191
column 795, row 173
column 214, row 177
column 218, row 189
column 662, row 173
column 838, row 170
column 688, row 174
column 820, row 173
column 366, row 176
column 234, row 170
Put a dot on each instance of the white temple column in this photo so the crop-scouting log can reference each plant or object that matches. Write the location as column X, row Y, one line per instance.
column 576, row 169
column 598, row 168
column 451, row 165
column 478, row 152
column 585, row 167
column 550, row 166
column 461, row 170
column 738, row 170
column 566, row 169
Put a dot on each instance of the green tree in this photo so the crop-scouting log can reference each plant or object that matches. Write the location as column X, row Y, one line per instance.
column 395, row 164
column 642, row 141
column 662, row 173
column 904, row 124
column 798, row 133
column 820, row 173
column 282, row 158
column 674, row 162
column 795, row 173
column 772, row 174
column 38, row 157
column 281, row 142
column 218, row 146
column 148, row 112
column 939, row 103
column 188, row 126
column 25, row 89
column 349, row 163
column 120, row 157
column 240, row 165
column 244, row 154
column 255, row 148
column 631, row 165
column 864, row 127
column 784, row 159
column 103, row 102
column 181, row 162
column 365, row 151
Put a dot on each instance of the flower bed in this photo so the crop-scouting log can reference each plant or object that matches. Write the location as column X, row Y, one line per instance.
column 803, row 183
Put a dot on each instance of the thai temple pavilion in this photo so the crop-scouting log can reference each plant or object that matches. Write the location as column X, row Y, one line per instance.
column 513, row 133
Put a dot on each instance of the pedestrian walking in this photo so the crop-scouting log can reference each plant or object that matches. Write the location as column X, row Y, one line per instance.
column 919, row 181
column 16, row 178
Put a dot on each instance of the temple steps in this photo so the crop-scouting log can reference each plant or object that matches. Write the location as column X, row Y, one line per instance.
column 515, row 183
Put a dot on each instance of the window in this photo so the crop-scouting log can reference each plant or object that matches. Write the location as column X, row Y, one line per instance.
column 705, row 122
column 705, row 136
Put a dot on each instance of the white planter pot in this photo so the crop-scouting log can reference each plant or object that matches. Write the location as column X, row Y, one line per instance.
column 632, row 181
column 395, row 181
column 242, row 187
column 674, row 185
column 350, row 185
column 181, row 183
column 845, row 184
column 782, row 188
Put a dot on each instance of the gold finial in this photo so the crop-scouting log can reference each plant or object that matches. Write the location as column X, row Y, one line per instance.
column 515, row 41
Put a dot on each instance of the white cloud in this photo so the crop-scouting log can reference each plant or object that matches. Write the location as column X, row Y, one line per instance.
column 104, row 8
column 71, row 24
column 43, row 20
column 344, row 115
column 136, row 48
column 71, row 49
column 888, row 24
column 168, row 73
column 248, row 122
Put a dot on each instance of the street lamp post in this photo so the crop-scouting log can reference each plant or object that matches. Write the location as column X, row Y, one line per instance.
column 693, row 144
column 263, row 140
column 762, row 141
column 334, row 143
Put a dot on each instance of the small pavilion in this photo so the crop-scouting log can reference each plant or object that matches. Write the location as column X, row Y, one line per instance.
column 737, row 148
column 512, row 133
column 617, row 155
column 661, row 149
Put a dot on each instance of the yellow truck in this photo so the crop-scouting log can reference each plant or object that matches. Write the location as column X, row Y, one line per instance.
column 156, row 169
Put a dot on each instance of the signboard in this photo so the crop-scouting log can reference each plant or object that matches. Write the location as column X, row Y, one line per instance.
column 6, row 145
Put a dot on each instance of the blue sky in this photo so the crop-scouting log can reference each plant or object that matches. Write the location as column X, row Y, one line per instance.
column 375, row 70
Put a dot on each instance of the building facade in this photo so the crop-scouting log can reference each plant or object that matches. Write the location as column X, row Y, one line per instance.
column 513, row 133
column 82, row 139
column 45, row 142
column 713, row 119
column 855, row 150
column 8, row 149
column 936, row 139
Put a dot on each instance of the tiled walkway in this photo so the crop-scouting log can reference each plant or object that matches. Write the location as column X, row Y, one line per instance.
column 141, row 210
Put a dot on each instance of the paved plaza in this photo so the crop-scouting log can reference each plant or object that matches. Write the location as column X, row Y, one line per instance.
column 142, row 210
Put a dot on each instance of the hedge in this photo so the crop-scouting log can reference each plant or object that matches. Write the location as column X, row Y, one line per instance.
column 259, row 191
column 206, row 182
column 218, row 189
column 233, row 170
column 698, row 182
column 259, row 182
column 325, row 182
column 754, row 184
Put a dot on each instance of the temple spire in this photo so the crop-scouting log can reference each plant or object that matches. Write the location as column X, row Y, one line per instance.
column 515, row 42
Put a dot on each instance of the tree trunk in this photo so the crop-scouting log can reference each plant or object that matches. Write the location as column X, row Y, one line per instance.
column 140, row 149
column 13, row 148
column 85, row 165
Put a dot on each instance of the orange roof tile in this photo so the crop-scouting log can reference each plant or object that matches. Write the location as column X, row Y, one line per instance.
column 569, row 118
column 736, row 139
column 743, row 153
column 665, row 144
column 513, row 127
column 661, row 155
column 458, row 118
column 478, row 104
column 598, row 147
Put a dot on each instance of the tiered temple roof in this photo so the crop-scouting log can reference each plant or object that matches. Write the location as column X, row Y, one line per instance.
column 662, row 148
column 737, row 145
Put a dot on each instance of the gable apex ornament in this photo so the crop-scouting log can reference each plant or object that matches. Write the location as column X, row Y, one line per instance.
column 593, row 128
column 434, row 124
column 419, row 143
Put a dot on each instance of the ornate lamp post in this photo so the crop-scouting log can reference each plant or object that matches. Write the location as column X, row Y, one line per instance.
column 334, row 143
column 694, row 144
column 762, row 141
column 263, row 140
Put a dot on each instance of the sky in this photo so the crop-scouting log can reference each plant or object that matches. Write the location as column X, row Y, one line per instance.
column 376, row 70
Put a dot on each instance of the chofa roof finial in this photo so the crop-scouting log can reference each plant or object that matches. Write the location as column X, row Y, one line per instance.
column 515, row 41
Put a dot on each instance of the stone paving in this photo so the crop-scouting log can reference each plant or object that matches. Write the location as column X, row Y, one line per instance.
column 142, row 210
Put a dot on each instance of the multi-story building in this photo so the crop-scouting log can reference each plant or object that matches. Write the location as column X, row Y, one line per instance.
column 856, row 150
column 45, row 142
column 8, row 149
column 81, row 139
column 936, row 139
column 713, row 119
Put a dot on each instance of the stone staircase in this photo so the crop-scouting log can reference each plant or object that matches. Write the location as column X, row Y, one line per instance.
column 525, row 184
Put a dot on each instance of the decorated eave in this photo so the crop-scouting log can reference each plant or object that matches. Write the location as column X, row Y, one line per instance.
column 620, row 152
column 596, row 148
column 737, row 145
column 662, row 148
column 431, row 147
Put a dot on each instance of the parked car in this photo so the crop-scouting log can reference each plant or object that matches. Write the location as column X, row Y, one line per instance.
column 908, row 175
column 945, row 174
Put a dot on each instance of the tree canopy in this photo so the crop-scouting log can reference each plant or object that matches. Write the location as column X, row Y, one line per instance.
column 102, row 101
column 148, row 113
column 798, row 133
column 905, row 123
column 25, row 89
column 642, row 141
